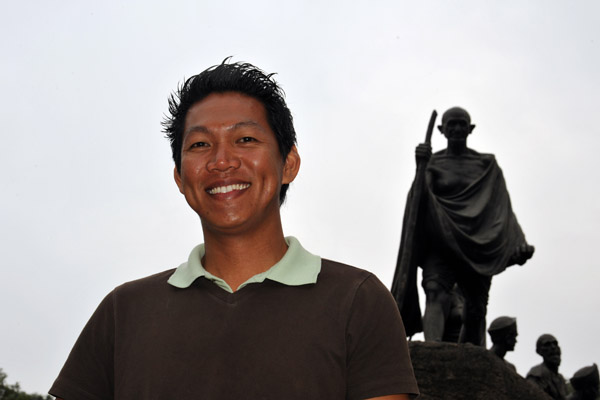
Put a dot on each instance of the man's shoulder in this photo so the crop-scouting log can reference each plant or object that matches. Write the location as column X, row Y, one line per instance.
column 342, row 271
column 537, row 371
column 340, row 275
column 151, row 282
column 441, row 162
column 470, row 153
column 510, row 365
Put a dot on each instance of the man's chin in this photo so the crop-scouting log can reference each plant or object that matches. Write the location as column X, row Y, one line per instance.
column 554, row 360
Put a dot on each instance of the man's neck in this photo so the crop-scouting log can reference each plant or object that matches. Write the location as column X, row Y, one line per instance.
column 456, row 147
column 236, row 258
column 500, row 351
column 551, row 366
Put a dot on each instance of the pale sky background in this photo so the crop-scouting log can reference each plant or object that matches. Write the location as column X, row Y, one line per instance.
column 88, row 200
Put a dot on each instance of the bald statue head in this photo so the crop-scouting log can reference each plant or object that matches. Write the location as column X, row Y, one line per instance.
column 456, row 113
column 547, row 347
column 456, row 124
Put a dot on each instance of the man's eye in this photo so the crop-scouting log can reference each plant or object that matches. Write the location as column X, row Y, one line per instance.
column 247, row 139
column 198, row 144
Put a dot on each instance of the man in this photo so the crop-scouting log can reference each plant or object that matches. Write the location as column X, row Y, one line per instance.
column 503, row 332
column 546, row 375
column 585, row 382
column 467, row 232
column 251, row 314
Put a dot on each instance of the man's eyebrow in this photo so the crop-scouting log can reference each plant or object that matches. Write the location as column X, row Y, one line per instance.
column 244, row 124
column 241, row 124
column 197, row 128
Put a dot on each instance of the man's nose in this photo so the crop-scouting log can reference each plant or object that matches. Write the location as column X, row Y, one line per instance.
column 223, row 158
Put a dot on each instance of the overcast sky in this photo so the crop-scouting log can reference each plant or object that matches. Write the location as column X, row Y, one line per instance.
column 88, row 200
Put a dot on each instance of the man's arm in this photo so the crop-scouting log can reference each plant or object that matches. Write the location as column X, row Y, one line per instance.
column 379, row 361
column 89, row 366
column 521, row 254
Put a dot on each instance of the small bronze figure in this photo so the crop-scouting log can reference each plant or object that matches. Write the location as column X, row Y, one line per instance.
column 503, row 332
column 586, row 383
column 546, row 374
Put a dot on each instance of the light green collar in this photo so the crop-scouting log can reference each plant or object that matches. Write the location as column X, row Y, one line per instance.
column 297, row 267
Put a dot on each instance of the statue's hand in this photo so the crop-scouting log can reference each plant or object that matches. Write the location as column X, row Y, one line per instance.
column 423, row 153
column 522, row 253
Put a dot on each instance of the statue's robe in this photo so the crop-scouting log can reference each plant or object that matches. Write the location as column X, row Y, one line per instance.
column 550, row 382
column 474, row 223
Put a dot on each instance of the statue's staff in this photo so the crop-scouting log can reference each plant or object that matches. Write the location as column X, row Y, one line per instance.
column 406, row 264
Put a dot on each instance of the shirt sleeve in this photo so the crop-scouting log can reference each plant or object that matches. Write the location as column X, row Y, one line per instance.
column 378, row 358
column 88, row 373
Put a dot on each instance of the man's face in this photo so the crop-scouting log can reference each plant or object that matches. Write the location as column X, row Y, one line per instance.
column 457, row 128
column 231, row 167
column 511, row 339
column 549, row 350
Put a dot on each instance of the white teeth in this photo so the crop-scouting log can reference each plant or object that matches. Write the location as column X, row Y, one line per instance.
column 229, row 188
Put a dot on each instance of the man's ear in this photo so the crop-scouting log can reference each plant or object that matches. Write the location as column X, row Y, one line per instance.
column 178, row 179
column 291, row 166
column 441, row 129
column 471, row 128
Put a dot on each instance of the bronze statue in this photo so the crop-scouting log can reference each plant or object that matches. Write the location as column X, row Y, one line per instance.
column 585, row 382
column 454, row 322
column 464, row 232
column 546, row 374
column 503, row 332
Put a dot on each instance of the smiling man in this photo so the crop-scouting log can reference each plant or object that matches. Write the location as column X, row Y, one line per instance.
column 251, row 314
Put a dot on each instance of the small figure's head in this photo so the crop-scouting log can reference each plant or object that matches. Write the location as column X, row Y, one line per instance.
column 456, row 124
column 503, row 332
column 242, row 78
column 586, row 381
column 547, row 347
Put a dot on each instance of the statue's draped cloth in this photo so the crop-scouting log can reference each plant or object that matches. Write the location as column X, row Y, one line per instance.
column 475, row 225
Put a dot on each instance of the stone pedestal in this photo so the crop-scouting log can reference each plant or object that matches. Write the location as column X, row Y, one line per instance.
column 449, row 371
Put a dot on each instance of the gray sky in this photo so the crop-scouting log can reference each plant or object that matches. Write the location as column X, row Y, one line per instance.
column 88, row 196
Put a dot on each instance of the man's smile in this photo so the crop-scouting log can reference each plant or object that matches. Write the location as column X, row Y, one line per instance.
column 228, row 188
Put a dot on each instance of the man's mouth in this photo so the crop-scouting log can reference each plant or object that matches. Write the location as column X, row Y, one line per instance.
column 228, row 188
